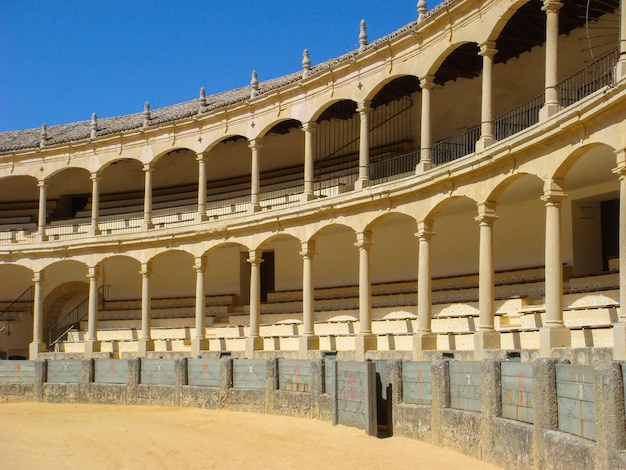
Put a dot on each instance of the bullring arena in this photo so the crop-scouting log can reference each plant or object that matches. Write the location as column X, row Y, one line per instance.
column 424, row 238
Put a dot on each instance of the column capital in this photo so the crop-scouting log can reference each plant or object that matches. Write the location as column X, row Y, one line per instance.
column 308, row 249
column 42, row 183
column 364, row 240
column 95, row 176
column 425, row 230
column 427, row 82
column 200, row 263
column 620, row 155
column 551, row 5
column 146, row 269
column 553, row 191
column 200, row 157
column 93, row 271
column 309, row 126
column 486, row 213
column 255, row 144
column 38, row 276
column 364, row 107
column 620, row 171
column 148, row 167
column 255, row 257
column 487, row 49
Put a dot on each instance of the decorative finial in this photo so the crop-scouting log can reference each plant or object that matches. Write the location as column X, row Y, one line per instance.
column 306, row 64
column 202, row 98
column 94, row 125
column 43, row 136
column 254, row 84
column 146, row 114
column 362, row 36
column 421, row 10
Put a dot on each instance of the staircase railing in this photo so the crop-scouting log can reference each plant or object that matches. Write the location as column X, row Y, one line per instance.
column 58, row 332
column 15, row 308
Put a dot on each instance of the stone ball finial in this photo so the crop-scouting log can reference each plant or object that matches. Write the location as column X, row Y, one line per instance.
column 202, row 98
column 43, row 136
column 254, row 84
column 421, row 10
column 306, row 64
column 146, row 114
column 362, row 36
column 94, row 125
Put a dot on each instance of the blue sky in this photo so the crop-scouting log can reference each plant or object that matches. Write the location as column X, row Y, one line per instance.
column 63, row 60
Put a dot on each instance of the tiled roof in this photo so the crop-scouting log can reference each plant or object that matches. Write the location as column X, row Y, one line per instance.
column 81, row 131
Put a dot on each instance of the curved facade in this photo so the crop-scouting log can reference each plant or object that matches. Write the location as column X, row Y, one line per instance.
column 454, row 161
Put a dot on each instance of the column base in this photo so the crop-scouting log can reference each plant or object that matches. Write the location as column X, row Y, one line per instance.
column 198, row 345
column 41, row 238
column 619, row 340
column 253, row 343
column 147, row 226
column 306, row 197
column 306, row 344
column 91, row 346
column 553, row 337
column 620, row 70
column 361, row 184
column 423, row 341
column 483, row 340
column 201, row 217
column 484, row 142
column 34, row 349
column 422, row 167
column 254, row 208
column 93, row 231
column 548, row 110
column 364, row 342
column 144, row 346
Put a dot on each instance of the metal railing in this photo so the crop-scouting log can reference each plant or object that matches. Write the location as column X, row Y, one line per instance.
column 455, row 147
column 20, row 305
column 518, row 118
column 228, row 207
column 589, row 80
column 393, row 168
column 286, row 196
column 58, row 332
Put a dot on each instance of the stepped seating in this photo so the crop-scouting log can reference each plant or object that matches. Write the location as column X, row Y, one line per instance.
column 594, row 283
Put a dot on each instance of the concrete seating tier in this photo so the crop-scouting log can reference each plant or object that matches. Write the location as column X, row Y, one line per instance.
column 604, row 298
column 593, row 283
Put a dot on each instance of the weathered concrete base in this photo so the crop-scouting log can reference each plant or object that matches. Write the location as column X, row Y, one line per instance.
column 583, row 356
column 198, row 345
column 364, row 343
column 484, row 340
column 34, row 349
column 553, row 337
column 619, row 336
column 423, row 341
column 253, row 343
column 91, row 346
column 307, row 344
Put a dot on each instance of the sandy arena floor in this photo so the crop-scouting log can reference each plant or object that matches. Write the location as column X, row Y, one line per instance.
column 64, row 436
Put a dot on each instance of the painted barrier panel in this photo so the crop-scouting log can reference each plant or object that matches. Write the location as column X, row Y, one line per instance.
column 417, row 383
column 64, row 371
column 111, row 371
column 204, row 372
column 294, row 375
column 355, row 395
column 12, row 372
column 158, row 372
column 465, row 391
column 329, row 375
column 517, row 391
column 575, row 390
column 249, row 373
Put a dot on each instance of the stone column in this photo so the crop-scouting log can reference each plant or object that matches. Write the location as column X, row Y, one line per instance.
column 427, row 84
column 147, row 199
column 308, row 340
column 309, row 158
column 41, row 225
column 145, row 341
column 364, row 147
column 486, row 337
column 95, row 204
column 552, row 102
column 255, row 196
column 487, row 51
column 254, row 342
column 424, row 339
column 620, row 68
column 91, row 343
column 37, row 346
column 200, row 342
column 365, row 340
column 619, row 328
column 553, row 334
column 201, row 214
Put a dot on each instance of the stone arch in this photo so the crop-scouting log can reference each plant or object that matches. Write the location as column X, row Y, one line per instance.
column 121, row 273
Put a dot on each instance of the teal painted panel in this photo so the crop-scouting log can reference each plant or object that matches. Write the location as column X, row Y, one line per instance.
column 204, row 372
column 249, row 373
column 158, row 372
column 417, row 383
column 13, row 372
column 517, row 391
column 576, row 400
column 355, row 401
column 64, row 371
column 465, row 393
column 329, row 375
column 113, row 371
column 294, row 375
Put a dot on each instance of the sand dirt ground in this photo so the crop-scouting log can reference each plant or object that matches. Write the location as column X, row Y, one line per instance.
column 63, row 436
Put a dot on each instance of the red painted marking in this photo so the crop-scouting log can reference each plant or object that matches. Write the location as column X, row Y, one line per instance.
column 520, row 393
column 420, row 377
column 205, row 371
column 111, row 369
column 18, row 369
column 352, row 378
column 296, row 372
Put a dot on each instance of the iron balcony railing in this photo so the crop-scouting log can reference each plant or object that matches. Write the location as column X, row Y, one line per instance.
column 393, row 168
column 20, row 305
column 455, row 147
column 518, row 118
column 592, row 78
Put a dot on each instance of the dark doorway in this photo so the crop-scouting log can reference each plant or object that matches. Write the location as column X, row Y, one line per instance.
column 383, row 400
column 267, row 274
column 609, row 211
